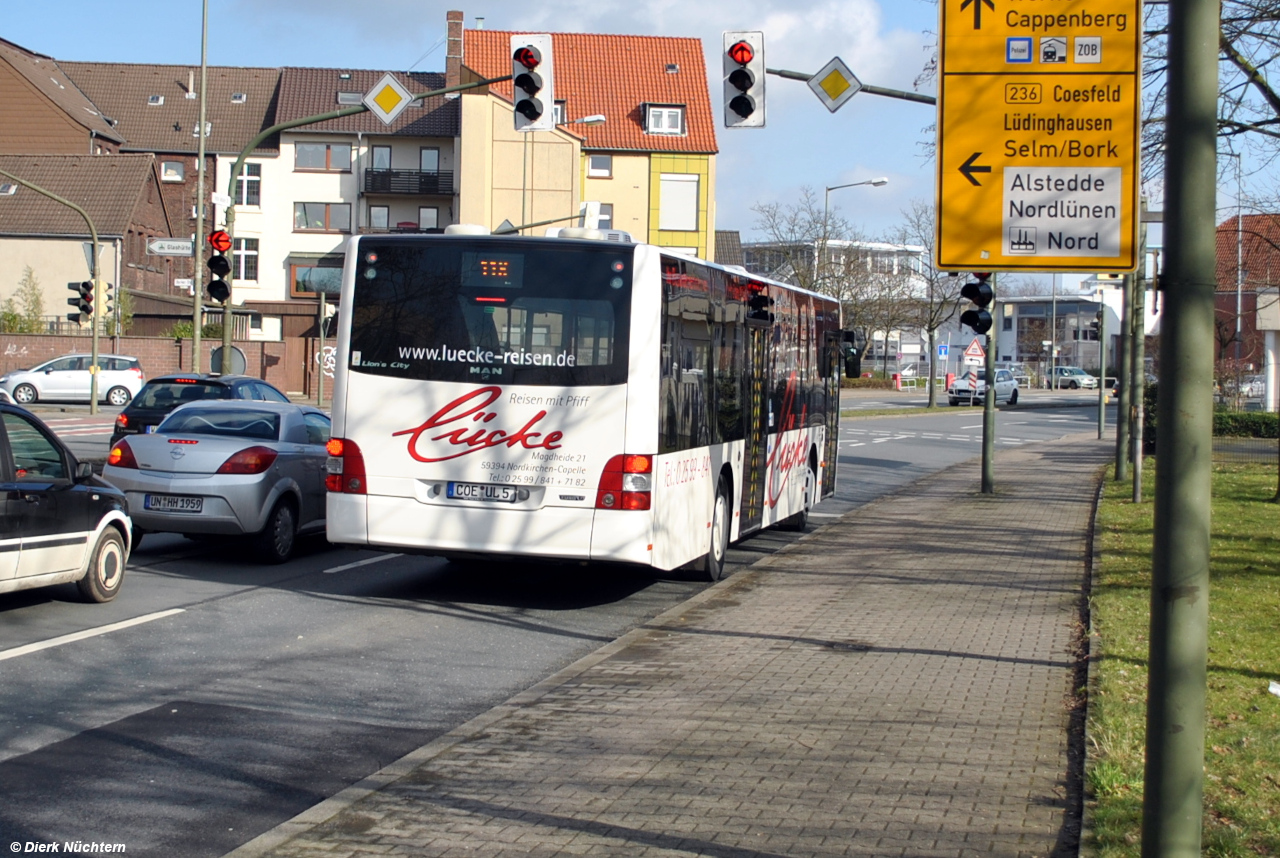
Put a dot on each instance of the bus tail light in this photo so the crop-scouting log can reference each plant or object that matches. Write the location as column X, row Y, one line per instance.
column 344, row 469
column 627, row 482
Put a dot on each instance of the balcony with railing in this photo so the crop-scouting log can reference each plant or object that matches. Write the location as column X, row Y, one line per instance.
column 437, row 183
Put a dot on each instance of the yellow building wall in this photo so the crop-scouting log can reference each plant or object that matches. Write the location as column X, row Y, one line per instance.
column 627, row 190
column 704, row 167
column 504, row 174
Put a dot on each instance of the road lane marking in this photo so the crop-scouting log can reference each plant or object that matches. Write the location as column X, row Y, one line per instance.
column 364, row 562
column 87, row 633
column 825, row 514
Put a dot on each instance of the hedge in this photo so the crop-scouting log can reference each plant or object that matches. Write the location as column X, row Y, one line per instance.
column 1237, row 424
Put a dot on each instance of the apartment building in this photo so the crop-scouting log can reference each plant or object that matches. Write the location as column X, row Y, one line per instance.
column 652, row 162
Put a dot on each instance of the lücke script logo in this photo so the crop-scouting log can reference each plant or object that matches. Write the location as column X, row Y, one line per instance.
column 468, row 419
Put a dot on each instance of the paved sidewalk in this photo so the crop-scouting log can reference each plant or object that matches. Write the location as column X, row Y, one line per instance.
column 896, row 683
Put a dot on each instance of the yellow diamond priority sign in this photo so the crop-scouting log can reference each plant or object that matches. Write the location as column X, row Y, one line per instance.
column 834, row 84
column 387, row 99
column 1038, row 135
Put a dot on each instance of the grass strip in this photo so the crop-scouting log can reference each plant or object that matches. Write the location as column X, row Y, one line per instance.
column 1242, row 753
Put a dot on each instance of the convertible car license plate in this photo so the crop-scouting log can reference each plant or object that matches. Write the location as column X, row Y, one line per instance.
column 173, row 503
column 482, row 492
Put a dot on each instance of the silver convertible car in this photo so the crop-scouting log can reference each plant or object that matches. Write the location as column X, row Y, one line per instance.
column 228, row 467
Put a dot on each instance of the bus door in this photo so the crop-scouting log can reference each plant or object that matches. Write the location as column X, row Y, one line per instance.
column 832, row 363
column 757, row 435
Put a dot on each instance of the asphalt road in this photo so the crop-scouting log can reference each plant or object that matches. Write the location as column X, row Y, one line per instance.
column 232, row 696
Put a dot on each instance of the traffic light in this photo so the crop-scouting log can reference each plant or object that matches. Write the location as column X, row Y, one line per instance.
column 75, row 301
column 532, row 82
column 108, row 300
column 980, row 293
column 743, row 80
column 760, row 310
column 219, row 267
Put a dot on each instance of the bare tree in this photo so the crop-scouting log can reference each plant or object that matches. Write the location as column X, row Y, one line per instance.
column 817, row 249
column 938, row 297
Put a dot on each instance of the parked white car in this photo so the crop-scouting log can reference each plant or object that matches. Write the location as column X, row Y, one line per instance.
column 971, row 388
column 67, row 379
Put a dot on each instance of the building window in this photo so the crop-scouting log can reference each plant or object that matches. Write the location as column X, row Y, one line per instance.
column 155, row 100
column 428, row 217
column 429, row 160
column 244, row 262
column 322, row 156
column 379, row 217
column 381, row 158
column 606, row 216
column 678, row 202
column 557, row 112
column 309, row 279
column 599, row 166
column 665, row 119
column 249, row 186
column 239, row 98
column 350, row 97
column 172, row 171
column 322, row 217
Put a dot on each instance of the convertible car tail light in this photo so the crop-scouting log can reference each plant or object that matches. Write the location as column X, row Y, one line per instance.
column 253, row 460
column 122, row 457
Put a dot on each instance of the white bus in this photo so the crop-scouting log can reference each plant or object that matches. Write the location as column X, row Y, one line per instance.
column 574, row 399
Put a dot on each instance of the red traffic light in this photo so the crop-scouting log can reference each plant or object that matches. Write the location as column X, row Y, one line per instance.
column 528, row 56
column 741, row 53
column 220, row 241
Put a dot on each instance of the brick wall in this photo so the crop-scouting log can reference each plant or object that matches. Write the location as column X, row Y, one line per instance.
column 158, row 355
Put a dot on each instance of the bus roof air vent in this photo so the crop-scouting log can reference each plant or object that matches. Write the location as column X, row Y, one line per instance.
column 466, row 229
column 582, row 232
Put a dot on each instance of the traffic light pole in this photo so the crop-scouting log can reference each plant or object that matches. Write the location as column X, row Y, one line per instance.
column 93, row 278
column 1102, row 365
column 989, row 415
column 1173, row 789
column 227, row 318
column 1124, row 367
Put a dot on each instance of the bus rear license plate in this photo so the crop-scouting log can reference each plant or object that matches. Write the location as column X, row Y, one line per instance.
column 173, row 503
column 482, row 492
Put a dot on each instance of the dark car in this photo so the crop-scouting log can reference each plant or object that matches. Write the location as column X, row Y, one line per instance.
column 58, row 522
column 164, row 393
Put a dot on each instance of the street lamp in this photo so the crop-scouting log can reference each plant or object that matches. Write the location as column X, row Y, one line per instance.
column 594, row 119
column 826, row 208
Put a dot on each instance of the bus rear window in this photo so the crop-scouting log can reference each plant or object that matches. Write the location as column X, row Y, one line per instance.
column 540, row 312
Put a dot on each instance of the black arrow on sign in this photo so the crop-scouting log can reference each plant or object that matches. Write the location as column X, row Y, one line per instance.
column 968, row 168
column 977, row 13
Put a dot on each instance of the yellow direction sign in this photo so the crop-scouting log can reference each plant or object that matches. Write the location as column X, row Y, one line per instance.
column 1038, row 134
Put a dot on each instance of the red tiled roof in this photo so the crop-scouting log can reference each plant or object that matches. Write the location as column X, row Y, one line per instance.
column 641, row 78
column 107, row 187
column 124, row 90
column 308, row 91
column 1258, row 237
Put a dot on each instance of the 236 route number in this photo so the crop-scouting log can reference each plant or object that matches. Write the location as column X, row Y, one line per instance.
column 1022, row 93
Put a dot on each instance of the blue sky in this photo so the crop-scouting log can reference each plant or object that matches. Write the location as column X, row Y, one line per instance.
column 884, row 42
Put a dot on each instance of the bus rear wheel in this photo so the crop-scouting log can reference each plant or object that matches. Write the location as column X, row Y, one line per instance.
column 712, row 566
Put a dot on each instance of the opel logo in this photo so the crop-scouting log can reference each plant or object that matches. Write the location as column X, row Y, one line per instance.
column 177, row 453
